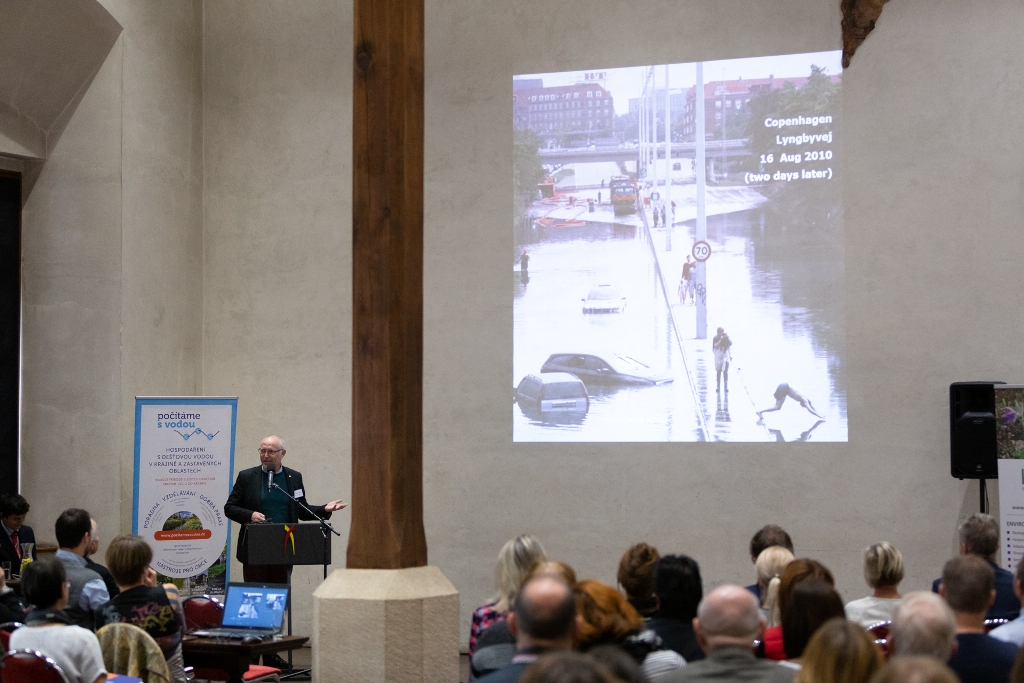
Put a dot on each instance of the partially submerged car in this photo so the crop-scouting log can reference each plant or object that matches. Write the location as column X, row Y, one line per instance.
column 552, row 393
column 609, row 368
column 604, row 299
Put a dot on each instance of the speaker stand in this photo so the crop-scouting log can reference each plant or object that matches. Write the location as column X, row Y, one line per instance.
column 983, row 496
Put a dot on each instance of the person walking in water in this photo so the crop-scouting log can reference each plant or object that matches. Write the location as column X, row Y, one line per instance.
column 686, row 283
column 782, row 392
column 721, row 345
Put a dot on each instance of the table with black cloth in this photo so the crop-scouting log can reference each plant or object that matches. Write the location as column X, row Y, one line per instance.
column 234, row 656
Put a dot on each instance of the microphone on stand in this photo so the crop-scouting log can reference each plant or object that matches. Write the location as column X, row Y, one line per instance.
column 270, row 481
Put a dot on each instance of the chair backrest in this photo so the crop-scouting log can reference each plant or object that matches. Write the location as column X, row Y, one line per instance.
column 29, row 666
column 994, row 623
column 202, row 611
column 880, row 631
column 6, row 629
column 129, row 650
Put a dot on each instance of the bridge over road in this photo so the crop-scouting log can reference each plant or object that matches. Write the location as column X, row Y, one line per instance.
column 680, row 150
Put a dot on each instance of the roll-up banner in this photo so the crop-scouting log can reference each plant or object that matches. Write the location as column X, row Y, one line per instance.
column 184, row 459
column 1010, row 451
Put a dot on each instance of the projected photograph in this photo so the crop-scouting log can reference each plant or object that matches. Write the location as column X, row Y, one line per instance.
column 1010, row 422
column 678, row 270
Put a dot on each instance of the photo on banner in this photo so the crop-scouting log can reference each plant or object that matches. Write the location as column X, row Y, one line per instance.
column 184, row 460
column 1010, row 451
column 678, row 269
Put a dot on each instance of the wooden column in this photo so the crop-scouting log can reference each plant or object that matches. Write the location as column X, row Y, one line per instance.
column 387, row 284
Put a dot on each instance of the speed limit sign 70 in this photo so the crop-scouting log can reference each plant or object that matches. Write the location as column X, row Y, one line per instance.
column 701, row 251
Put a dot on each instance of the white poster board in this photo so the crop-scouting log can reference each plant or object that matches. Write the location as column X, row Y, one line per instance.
column 184, row 459
column 1010, row 451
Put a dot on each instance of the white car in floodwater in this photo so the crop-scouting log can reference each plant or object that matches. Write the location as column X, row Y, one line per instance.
column 604, row 299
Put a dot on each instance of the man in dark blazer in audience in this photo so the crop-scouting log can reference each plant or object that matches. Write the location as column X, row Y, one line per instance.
column 979, row 535
column 94, row 546
column 979, row 658
column 253, row 500
column 727, row 624
column 542, row 620
column 13, row 531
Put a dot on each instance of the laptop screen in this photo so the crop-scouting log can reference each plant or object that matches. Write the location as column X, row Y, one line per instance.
column 255, row 605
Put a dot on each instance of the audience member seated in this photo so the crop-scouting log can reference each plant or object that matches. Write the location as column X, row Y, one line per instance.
column 48, row 629
column 568, row 667
column 141, row 602
column 796, row 572
column 923, row 625
column 915, row 669
column 967, row 585
column 766, row 537
column 543, row 620
column 979, row 535
column 770, row 564
column 727, row 624
column 11, row 608
column 678, row 587
column 619, row 664
column 607, row 618
column 636, row 576
column 1013, row 632
column 496, row 646
column 839, row 652
column 514, row 561
column 94, row 546
column 883, row 571
column 810, row 605
column 88, row 592
column 13, row 510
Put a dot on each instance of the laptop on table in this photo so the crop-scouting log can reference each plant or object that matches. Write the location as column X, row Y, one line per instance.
column 250, row 609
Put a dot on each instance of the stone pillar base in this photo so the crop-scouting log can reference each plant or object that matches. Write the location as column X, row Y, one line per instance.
column 386, row 625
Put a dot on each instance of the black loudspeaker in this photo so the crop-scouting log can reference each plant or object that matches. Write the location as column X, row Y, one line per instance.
column 972, row 430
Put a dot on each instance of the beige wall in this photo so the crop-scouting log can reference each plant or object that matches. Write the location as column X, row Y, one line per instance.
column 933, row 200
column 113, row 267
column 277, row 242
column 933, row 169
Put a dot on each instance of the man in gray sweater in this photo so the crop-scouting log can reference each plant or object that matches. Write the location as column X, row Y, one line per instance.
column 87, row 592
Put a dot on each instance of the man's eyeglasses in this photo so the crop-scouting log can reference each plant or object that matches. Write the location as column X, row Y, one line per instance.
column 269, row 451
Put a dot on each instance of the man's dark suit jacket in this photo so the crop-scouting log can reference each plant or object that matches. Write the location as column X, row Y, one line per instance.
column 7, row 551
column 245, row 499
column 1006, row 606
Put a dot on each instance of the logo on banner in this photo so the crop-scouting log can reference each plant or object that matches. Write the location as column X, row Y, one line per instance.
column 289, row 535
column 197, row 431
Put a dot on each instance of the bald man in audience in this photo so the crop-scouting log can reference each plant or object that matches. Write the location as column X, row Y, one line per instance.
column 967, row 585
column 542, row 620
column 923, row 624
column 727, row 624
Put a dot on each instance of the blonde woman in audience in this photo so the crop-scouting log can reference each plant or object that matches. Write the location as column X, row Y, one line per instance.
column 770, row 565
column 514, row 562
column 917, row 669
column 839, row 652
column 883, row 571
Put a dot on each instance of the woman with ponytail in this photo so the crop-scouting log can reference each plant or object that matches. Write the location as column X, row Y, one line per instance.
column 770, row 565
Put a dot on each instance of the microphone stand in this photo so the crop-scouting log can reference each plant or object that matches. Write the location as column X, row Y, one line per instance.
column 325, row 527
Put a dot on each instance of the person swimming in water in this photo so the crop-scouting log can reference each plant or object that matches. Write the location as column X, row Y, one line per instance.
column 785, row 391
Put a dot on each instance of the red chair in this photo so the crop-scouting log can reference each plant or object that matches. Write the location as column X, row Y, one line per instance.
column 28, row 666
column 5, row 634
column 880, row 631
column 203, row 611
column 994, row 623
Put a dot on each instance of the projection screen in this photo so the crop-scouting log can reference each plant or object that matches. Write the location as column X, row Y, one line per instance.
column 678, row 269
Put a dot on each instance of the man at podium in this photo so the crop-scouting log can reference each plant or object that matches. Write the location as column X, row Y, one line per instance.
column 254, row 499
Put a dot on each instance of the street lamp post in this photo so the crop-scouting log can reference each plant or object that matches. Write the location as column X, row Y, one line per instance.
column 702, row 220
